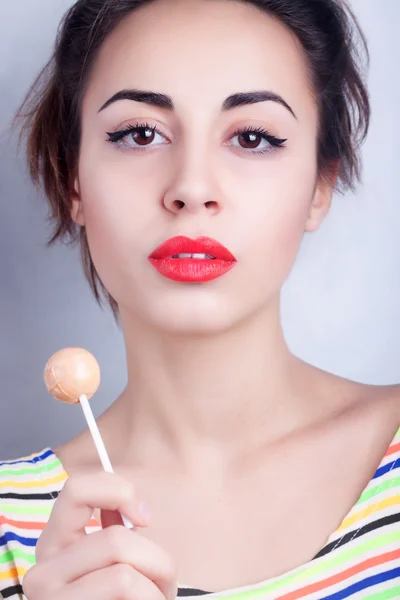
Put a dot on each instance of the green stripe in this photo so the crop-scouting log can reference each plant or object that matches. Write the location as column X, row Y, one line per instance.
column 387, row 485
column 386, row 594
column 25, row 510
column 33, row 470
column 9, row 557
column 353, row 553
column 311, row 569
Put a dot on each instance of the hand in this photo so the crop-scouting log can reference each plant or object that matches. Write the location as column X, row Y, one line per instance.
column 112, row 564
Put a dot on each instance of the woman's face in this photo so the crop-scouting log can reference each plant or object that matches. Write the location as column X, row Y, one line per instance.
column 188, row 172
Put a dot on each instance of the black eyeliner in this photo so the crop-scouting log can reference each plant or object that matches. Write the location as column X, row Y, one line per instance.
column 116, row 136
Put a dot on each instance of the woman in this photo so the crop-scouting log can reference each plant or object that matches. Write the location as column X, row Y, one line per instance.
column 189, row 145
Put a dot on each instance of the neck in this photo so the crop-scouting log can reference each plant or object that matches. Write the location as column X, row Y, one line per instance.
column 200, row 400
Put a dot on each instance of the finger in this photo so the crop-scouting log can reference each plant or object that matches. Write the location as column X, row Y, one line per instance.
column 118, row 581
column 102, row 549
column 75, row 504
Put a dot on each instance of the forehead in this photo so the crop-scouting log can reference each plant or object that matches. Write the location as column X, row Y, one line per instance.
column 201, row 51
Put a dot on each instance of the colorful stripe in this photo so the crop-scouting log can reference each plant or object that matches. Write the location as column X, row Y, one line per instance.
column 360, row 561
column 32, row 459
column 33, row 484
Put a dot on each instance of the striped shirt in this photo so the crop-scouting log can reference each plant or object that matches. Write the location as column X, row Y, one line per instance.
column 360, row 560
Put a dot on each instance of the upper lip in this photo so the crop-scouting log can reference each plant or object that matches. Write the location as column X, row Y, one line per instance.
column 185, row 245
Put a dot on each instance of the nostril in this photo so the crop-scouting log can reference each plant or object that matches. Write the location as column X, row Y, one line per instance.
column 179, row 204
column 210, row 204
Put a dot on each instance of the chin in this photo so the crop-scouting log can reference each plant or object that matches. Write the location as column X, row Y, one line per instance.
column 197, row 313
column 194, row 325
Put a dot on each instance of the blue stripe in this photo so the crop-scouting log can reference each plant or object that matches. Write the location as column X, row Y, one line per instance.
column 386, row 468
column 13, row 537
column 364, row 584
column 32, row 461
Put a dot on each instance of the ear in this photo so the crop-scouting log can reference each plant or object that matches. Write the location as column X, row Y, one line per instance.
column 322, row 199
column 76, row 205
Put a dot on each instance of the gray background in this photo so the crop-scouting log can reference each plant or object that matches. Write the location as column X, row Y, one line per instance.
column 340, row 306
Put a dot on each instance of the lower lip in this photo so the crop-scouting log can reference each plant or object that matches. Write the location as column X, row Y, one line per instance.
column 191, row 270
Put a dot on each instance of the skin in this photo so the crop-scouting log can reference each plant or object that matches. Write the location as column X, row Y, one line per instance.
column 216, row 406
column 257, row 206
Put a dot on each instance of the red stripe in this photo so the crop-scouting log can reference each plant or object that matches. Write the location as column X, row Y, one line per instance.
column 366, row 564
column 34, row 524
column 393, row 449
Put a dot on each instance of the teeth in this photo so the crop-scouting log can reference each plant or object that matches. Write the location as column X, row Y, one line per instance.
column 195, row 256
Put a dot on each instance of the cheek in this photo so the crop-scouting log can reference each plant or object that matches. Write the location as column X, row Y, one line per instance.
column 265, row 205
column 277, row 200
column 119, row 203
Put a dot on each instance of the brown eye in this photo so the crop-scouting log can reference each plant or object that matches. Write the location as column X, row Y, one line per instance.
column 256, row 141
column 143, row 136
column 250, row 139
column 138, row 137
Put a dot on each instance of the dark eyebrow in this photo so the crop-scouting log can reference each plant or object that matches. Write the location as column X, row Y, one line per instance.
column 241, row 99
column 166, row 102
column 152, row 98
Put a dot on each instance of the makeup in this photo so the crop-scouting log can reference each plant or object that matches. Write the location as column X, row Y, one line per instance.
column 192, row 261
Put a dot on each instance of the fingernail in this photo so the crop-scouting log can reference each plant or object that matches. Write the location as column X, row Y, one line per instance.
column 145, row 512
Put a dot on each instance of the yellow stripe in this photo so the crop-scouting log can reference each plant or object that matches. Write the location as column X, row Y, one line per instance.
column 33, row 483
column 375, row 507
column 13, row 573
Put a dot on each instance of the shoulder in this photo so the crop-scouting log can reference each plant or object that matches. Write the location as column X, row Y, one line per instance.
column 349, row 397
column 28, row 489
column 369, row 427
column 363, row 419
column 374, row 410
column 382, row 402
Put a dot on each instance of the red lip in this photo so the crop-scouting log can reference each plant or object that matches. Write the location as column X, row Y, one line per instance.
column 192, row 270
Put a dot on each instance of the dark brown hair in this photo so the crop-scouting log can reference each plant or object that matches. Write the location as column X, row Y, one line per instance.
column 327, row 30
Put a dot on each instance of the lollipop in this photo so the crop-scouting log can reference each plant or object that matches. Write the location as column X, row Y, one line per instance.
column 72, row 376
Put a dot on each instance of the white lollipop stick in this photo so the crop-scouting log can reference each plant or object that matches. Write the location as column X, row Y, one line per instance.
column 98, row 442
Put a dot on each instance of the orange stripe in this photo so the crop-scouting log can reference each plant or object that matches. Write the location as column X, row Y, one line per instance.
column 22, row 524
column 363, row 566
column 34, row 524
column 393, row 449
column 14, row 573
column 93, row 523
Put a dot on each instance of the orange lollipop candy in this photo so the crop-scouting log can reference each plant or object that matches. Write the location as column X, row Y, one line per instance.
column 72, row 375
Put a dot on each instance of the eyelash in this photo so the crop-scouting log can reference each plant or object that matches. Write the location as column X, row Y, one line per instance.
column 275, row 143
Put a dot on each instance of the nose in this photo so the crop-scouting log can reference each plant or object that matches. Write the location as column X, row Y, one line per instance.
column 193, row 189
